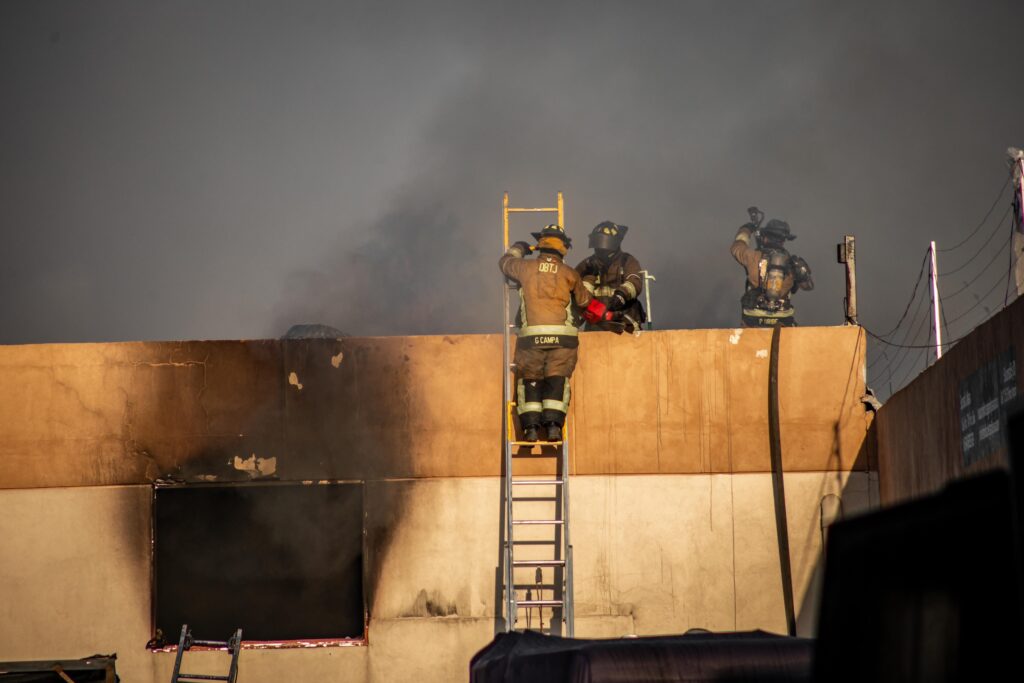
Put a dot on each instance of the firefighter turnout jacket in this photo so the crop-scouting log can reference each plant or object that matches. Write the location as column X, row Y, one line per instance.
column 548, row 289
column 622, row 272
column 757, row 311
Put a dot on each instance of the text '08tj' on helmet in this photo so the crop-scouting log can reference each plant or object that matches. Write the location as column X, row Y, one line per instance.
column 607, row 235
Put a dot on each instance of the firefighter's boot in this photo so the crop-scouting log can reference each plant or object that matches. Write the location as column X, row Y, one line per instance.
column 554, row 431
column 555, row 404
column 529, row 405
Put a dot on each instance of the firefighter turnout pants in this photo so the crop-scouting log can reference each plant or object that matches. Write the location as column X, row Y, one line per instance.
column 542, row 385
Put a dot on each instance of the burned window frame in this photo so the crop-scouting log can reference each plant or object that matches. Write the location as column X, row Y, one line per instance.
column 169, row 641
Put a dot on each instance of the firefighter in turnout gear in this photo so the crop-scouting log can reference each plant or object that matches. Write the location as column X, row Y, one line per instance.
column 551, row 294
column 773, row 274
column 614, row 277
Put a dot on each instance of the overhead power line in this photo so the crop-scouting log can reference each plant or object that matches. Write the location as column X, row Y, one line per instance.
column 992, row 234
column 984, row 220
column 913, row 294
column 984, row 270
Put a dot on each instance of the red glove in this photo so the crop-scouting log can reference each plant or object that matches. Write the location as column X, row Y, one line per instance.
column 597, row 312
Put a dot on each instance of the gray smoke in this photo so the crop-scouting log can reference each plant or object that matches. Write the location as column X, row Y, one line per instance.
column 229, row 170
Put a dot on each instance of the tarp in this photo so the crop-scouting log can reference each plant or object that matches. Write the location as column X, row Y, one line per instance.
column 694, row 658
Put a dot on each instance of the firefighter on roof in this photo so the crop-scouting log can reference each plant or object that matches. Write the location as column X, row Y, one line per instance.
column 773, row 274
column 547, row 341
column 614, row 276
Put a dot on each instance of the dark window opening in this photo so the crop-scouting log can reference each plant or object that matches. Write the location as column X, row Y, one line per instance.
column 280, row 561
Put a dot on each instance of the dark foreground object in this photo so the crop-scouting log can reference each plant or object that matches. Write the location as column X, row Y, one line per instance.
column 91, row 669
column 925, row 591
column 694, row 658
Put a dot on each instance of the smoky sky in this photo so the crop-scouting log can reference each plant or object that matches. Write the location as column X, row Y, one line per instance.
column 198, row 170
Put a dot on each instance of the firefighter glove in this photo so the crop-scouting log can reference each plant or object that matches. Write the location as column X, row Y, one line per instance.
column 617, row 301
column 597, row 312
column 524, row 248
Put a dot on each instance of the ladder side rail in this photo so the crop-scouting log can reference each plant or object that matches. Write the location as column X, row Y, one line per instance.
column 511, row 602
column 567, row 596
column 177, row 657
column 509, row 597
column 236, row 642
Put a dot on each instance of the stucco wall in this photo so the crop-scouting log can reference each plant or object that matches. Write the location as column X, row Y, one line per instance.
column 670, row 402
column 672, row 509
column 919, row 448
column 654, row 554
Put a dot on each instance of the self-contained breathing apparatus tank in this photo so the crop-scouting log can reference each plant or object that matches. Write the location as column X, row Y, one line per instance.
column 775, row 267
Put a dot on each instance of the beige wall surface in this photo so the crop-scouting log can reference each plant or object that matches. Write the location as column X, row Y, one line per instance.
column 654, row 554
column 918, row 429
column 674, row 401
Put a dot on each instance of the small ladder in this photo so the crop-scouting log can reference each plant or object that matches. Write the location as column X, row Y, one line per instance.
column 185, row 642
column 544, row 580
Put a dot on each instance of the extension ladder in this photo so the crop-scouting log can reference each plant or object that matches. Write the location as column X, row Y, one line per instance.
column 537, row 554
column 185, row 642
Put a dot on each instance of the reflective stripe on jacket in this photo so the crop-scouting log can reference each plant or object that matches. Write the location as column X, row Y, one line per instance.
column 621, row 272
column 548, row 288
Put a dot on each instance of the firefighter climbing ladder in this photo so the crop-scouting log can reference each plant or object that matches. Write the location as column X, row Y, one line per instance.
column 534, row 583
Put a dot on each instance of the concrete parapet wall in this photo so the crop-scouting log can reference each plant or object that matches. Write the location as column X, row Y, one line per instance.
column 669, row 402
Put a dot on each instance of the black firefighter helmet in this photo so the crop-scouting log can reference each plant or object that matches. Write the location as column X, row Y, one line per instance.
column 607, row 235
column 553, row 239
column 776, row 231
column 553, row 230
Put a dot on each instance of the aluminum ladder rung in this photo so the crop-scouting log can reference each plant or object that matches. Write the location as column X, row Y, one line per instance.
column 538, row 563
column 536, row 443
column 201, row 677
column 535, row 499
column 539, row 603
column 537, row 482
column 210, row 643
column 556, row 522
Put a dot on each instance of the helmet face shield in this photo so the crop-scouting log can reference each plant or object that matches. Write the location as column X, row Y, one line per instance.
column 607, row 236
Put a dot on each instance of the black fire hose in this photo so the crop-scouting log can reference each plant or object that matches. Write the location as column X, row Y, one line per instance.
column 775, row 442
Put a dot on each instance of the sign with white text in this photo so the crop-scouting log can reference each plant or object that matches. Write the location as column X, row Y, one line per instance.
column 985, row 397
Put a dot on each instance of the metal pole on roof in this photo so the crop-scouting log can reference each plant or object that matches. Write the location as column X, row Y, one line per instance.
column 934, row 276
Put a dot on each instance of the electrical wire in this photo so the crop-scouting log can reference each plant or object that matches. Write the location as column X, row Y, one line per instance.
column 913, row 294
column 963, row 314
column 903, row 348
column 912, row 329
column 968, row 262
column 965, row 240
column 1013, row 262
column 910, row 346
column 922, row 354
column 913, row 319
column 980, row 300
column 893, row 365
column 912, row 332
column 967, row 285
